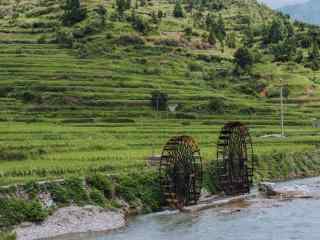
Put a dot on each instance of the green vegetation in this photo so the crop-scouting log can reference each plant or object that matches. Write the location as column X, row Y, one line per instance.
column 15, row 211
column 79, row 82
column 7, row 236
column 139, row 191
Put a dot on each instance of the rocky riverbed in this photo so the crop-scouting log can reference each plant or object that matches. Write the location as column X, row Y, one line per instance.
column 72, row 220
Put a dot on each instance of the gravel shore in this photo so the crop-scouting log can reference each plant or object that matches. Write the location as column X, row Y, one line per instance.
column 72, row 220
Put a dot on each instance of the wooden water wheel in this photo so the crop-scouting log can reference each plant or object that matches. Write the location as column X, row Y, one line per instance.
column 181, row 172
column 235, row 159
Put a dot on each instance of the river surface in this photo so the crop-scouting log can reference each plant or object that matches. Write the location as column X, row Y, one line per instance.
column 256, row 219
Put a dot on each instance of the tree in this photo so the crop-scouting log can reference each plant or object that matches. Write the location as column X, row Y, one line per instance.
column 231, row 40
column 217, row 105
column 73, row 12
column 243, row 58
column 248, row 37
column 314, row 54
column 276, row 33
column 212, row 38
column 122, row 6
column 300, row 57
column 285, row 50
column 159, row 101
column 220, row 28
column 178, row 11
column 140, row 24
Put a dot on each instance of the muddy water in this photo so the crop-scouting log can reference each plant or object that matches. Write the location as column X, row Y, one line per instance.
column 256, row 219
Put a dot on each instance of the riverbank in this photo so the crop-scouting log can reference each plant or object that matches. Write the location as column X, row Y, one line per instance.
column 130, row 193
column 259, row 217
column 73, row 220
column 61, row 207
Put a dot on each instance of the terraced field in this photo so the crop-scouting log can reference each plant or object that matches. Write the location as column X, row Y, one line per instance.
column 62, row 114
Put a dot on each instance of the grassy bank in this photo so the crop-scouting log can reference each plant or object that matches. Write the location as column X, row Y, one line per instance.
column 83, row 108
column 135, row 191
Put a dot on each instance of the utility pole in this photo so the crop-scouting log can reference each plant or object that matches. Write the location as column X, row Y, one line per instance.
column 282, row 112
column 281, row 109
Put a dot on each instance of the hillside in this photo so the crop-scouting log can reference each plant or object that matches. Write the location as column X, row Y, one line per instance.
column 307, row 12
column 75, row 97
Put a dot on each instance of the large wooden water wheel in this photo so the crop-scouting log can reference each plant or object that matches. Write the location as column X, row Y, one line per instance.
column 181, row 172
column 235, row 159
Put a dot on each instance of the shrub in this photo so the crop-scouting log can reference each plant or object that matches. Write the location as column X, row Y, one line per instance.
column 130, row 40
column 5, row 90
column 140, row 24
column 217, row 105
column 185, row 116
column 12, row 155
column 211, row 178
column 73, row 12
column 7, row 236
column 178, row 10
column 140, row 187
column 243, row 58
column 170, row 42
column 159, row 101
column 71, row 191
column 97, row 197
column 195, row 67
column 102, row 183
column 42, row 39
column 64, row 38
column 14, row 211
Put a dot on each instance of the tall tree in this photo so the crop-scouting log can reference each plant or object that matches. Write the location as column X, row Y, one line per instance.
column 314, row 54
column 178, row 11
column 277, row 32
column 212, row 38
column 73, row 12
column 243, row 58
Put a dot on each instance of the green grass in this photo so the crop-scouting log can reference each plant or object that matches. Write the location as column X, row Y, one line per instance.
column 93, row 114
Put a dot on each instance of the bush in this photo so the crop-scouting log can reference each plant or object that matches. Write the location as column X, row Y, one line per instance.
column 211, row 178
column 170, row 42
column 97, row 197
column 195, row 67
column 141, row 25
column 7, row 236
column 73, row 12
column 64, row 38
column 71, row 191
column 140, row 187
column 217, row 105
column 185, row 116
column 102, row 183
column 178, row 10
column 130, row 40
column 159, row 101
column 243, row 58
column 14, row 211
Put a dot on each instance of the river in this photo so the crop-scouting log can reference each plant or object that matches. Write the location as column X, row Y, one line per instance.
column 256, row 219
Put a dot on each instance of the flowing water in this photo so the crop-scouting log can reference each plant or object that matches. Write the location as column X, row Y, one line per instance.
column 256, row 219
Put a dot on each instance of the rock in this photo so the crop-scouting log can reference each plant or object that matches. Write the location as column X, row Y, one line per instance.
column 72, row 220
column 272, row 190
column 267, row 188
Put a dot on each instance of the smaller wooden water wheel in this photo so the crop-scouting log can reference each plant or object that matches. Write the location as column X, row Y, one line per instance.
column 235, row 159
column 181, row 172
